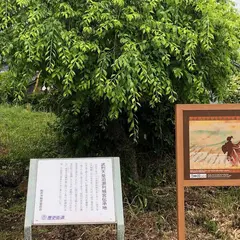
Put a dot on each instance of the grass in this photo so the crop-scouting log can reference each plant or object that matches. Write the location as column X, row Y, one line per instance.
column 23, row 135
column 205, row 219
column 149, row 209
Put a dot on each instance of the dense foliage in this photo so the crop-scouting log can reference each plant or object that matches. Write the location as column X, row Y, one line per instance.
column 125, row 52
column 124, row 60
column 6, row 87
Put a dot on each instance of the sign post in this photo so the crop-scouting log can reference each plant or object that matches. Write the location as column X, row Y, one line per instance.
column 74, row 191
column 207, row 149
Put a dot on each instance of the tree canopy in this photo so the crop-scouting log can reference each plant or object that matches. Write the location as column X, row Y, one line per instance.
column 125, row 52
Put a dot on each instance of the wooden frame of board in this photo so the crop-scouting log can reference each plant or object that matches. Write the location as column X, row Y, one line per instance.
column 207, row 154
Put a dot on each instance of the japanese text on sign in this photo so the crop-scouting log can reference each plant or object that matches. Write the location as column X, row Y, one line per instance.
column 74, row 190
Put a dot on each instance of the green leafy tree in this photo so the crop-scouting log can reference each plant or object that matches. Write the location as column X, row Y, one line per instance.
column 122, row 55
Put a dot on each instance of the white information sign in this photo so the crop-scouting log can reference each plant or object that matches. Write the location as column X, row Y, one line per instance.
column 74, row 191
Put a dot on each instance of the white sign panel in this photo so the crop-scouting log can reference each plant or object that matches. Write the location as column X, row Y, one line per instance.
column 74, row 191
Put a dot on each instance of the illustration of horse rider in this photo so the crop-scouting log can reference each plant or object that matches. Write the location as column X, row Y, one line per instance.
column 233, row 151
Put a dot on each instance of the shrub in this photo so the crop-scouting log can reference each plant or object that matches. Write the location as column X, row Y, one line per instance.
column 6, row 88
column 233, row 92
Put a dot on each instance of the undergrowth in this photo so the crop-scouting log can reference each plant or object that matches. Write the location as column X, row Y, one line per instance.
column 149, row 204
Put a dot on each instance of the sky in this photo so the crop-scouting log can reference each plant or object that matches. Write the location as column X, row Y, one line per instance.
column 237, row 3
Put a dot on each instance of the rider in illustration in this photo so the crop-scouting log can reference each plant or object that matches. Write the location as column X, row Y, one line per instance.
column 233, row 151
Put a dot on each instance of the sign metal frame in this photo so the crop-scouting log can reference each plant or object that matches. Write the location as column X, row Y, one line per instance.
column 31, row 194
column 181, row 148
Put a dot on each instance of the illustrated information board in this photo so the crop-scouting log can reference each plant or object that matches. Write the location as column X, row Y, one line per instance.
column 74, row 191
column 211, row 144
column 207, row 149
